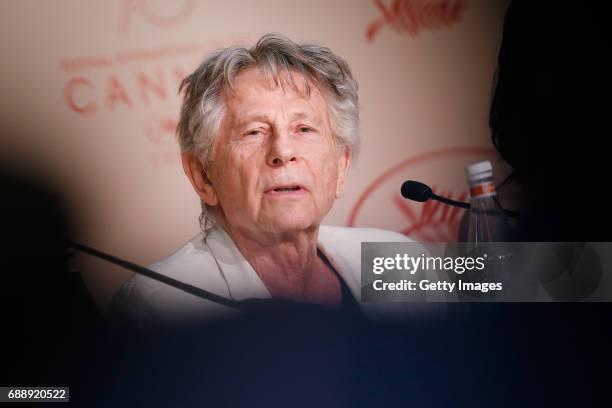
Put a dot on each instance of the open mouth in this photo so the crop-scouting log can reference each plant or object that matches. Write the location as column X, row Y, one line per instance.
column 287, row 189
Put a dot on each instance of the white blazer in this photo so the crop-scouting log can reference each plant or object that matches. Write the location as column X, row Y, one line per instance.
column 216, row 265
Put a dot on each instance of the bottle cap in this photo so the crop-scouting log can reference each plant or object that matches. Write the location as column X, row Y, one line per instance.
column 479, row 170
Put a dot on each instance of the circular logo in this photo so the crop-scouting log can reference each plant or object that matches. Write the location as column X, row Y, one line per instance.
column 381, row 205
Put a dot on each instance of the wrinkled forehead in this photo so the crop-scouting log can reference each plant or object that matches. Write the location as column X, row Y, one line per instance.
column 258, row 79
column 248, row 87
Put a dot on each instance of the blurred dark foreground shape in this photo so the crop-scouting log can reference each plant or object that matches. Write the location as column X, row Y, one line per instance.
column 45, row 308
column 280, row 354
column 549, row 118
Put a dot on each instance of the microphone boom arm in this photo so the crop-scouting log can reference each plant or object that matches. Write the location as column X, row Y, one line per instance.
column 193, row 290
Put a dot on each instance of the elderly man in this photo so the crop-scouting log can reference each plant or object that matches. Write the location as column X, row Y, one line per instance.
column 267, row 136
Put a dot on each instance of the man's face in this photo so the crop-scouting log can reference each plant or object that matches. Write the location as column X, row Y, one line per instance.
column 277, row 168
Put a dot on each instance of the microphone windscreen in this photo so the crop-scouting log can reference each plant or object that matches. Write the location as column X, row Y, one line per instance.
column 413, row 190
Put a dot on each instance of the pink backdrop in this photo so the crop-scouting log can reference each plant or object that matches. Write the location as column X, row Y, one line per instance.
column 89, row 104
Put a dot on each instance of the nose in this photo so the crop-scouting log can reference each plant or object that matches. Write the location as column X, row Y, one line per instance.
column 282, row 150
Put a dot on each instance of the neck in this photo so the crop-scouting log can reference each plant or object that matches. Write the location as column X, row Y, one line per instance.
column 288, row 265
column 290, row 256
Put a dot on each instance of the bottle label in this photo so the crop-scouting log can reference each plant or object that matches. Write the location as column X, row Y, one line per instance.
column 482, row 190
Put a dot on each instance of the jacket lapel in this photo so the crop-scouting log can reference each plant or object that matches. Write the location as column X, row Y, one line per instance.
column 242, row 280
column 244, row 283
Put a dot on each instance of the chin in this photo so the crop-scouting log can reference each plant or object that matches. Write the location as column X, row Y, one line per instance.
column 291, row 223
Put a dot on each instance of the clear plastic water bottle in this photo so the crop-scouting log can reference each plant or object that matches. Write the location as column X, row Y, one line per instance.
column 488, row 229
column 487, row 221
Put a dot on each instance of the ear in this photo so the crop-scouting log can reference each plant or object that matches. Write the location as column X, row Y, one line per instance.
column 199, row 179
column 343, row 167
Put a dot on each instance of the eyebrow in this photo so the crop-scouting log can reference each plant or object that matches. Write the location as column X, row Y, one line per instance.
column 265, row 118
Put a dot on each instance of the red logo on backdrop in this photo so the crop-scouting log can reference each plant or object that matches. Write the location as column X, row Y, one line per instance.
column 412, row 16
column 164, row 15
column 87, row 94
column 140, row 82
column 381, row 204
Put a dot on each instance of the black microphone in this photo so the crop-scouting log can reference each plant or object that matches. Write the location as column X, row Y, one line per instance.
column 416, row 191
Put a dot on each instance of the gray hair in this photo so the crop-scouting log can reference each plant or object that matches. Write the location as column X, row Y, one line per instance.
column 203, row 109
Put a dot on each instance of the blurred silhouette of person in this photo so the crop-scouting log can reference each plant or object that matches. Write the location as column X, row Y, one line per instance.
column 46, row 310
column 547, row 119
column 547, row 122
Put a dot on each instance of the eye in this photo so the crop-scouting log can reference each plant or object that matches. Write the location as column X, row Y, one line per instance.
column 305, row 129
column 253, row 132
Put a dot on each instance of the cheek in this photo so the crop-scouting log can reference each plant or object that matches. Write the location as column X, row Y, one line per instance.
column 333, row 181
column 236, row 177
column 329, row 174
